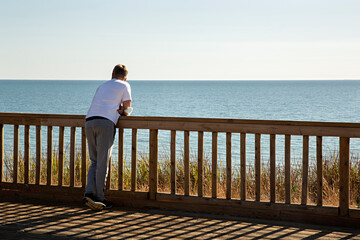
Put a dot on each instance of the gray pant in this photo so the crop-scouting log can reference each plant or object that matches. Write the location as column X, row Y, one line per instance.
column 100, row 137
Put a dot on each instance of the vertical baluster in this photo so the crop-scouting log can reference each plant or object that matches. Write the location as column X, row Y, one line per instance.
column 344, row 191
column 214, row 164
column 319, row 170
column 173, row 162
column 257, row 165
column 243, row 166
column 16, row 153
column 83, row 157
column 304, row 191
column 187, row 162
column 200, row 162
column 108, row 177
column 153, row 173
column 49, row 154
column 72, row 156
column 228, row 165
column 272, row 167
column 26, row 153
column 38, row 155
column 133, row 159
column 61, row 156
column 1, row 151
column 287, row 169
column 121, row 159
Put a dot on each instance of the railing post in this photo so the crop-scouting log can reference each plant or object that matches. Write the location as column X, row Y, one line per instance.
column 1, row 151
column 272, row 167
column 83, row 157
column 61, row 156
column 173, row 162
column 243, row 166
column 257, row 166
column 287, row 169
column 121, row 159
column 200, row 162
column 228, row 165
column 16, row 153
column 49, row 154
column 38, row 154
column 319, row 170
column 214, row 164
column 187, row 162
column 72, row 156
column 26, row 153
column 153, row 171
column 344, row 176
column 133, row 159
column 305, row 170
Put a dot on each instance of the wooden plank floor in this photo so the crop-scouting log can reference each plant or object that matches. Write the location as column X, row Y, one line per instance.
column 39, row 221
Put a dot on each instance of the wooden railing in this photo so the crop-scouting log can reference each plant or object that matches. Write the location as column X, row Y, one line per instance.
column 337, row 215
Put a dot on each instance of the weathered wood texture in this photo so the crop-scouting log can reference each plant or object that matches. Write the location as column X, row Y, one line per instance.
column 173, row 162
column 16, row 153
column 121, row 159
column 153, row 173
column 305, row 170
column 214, row 165
column 133, row 159
column 61, row 156
column 272, row 167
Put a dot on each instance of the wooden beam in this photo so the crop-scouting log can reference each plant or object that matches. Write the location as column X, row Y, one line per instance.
column 200, row 162
column 38, row 155
column 173, row 162
column 16, row 153
column 61, row 156
column 153, row 171
column 83, row 158
column 228, row 165
column 133, row 159
column 243, row 166
column 72, row 156
column 214, row 165
column 49, row 155
column 187, row 162
column 1, row 151
column 287, row 169
column 305, row 170
column 319, row 170
column 26, row 153
column 272, row 168
column 344, row 169
column 121, row 159
column 257, row 166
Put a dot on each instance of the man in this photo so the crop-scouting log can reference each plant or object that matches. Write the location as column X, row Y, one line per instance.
column 112, row 99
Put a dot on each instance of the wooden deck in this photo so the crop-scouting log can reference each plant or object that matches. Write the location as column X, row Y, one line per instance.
column 21, row 220
column 23, row 180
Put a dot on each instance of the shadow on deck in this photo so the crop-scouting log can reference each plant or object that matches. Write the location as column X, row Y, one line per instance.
column 25, row 220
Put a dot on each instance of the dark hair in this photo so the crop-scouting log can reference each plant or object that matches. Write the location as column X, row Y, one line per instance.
column 120, row 71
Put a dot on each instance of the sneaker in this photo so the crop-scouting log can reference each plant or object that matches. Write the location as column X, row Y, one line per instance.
column 91, row 201
column 107, row 204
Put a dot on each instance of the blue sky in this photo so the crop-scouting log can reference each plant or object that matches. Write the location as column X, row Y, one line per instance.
column 180, row 40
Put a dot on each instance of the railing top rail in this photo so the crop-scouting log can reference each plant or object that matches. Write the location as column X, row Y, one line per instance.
column 337, row 129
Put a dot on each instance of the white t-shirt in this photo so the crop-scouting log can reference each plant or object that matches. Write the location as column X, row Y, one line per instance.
column 108, row 98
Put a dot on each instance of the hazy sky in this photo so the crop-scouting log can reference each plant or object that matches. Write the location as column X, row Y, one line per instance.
column 168, row 39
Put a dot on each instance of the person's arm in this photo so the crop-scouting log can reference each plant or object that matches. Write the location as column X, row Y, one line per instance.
column 123, row 106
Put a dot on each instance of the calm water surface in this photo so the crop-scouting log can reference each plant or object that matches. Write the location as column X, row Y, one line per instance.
column 335, row 101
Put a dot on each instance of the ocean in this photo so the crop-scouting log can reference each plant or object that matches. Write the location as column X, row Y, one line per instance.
column 333, row 101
